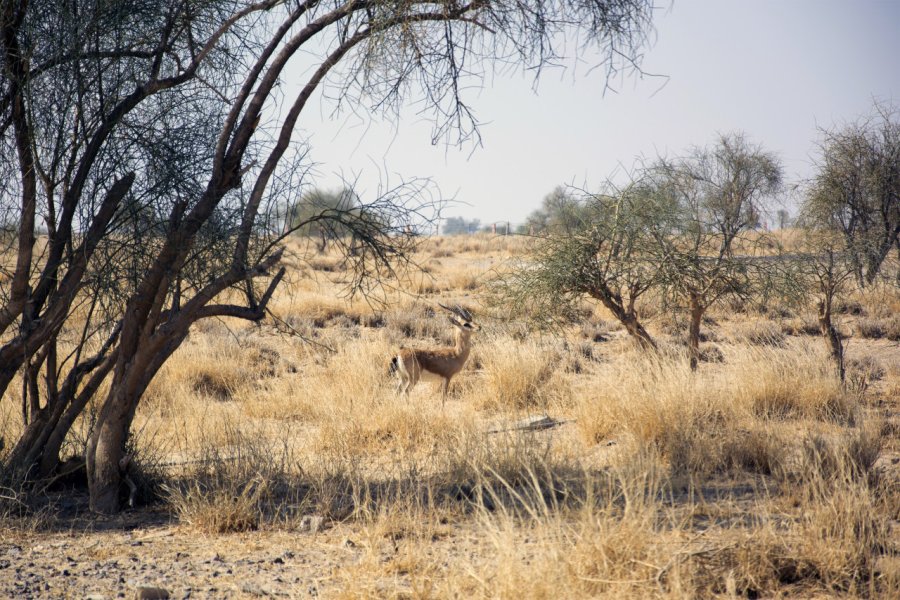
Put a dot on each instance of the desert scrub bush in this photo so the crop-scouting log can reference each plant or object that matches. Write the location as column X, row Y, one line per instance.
column 804, row 325
column 322, row 310
column 417, row 322
column 511, row 469
column 395, row 427
column 210, row 366
column 657, row 402
column 865, row 369
column 354, row 376
column 239, row 478
column 517, row 375
column 841, row 531
column 614, row 542
column 463, row 279
column 826, row 460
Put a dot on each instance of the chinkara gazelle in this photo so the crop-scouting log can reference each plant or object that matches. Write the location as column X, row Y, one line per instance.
column 409, row 364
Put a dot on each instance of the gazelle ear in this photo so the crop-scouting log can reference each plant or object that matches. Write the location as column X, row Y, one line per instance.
column 455, row 321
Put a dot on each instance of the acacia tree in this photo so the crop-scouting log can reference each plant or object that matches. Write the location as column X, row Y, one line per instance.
column 131, row 133
column 600, row 255
column 709, row 204
column 856, row 190
column 824, row 269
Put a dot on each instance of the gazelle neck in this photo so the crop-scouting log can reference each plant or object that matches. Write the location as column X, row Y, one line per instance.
column 463, row 340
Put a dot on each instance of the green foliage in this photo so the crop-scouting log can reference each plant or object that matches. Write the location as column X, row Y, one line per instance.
column 598, row 254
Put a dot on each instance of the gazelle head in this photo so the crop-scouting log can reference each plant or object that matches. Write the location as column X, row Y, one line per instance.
column 461, row 319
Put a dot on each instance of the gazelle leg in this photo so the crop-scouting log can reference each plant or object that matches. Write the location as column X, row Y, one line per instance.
column 445, row 385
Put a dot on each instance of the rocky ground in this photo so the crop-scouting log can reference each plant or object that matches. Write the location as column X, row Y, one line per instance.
column 141, row 553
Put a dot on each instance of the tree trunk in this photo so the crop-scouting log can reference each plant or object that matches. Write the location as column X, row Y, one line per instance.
column 626, row 317
column 636, row 330
column 106, row 449
column 826, row 326
column 697, row 310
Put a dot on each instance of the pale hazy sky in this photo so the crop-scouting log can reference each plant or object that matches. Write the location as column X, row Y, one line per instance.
column 776, row 69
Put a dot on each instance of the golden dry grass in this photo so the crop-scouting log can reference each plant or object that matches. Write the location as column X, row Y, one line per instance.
column 756, row 476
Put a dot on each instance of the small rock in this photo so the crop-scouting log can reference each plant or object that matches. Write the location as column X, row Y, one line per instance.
column 151, row 593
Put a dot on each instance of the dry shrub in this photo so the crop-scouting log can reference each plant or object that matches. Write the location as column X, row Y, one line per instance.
column 866, row 369
column 829, row 460
column 238, row 480
column 841, row 531
column 878, row 328
column 500, row 463
column 324, row 264
column 212, row 367
column 393, row 426
column 418, row 322
column 613, row 542
column 353, row 377
column 463, row 280
column 846, row 306
column 659, row 403
column 516, row 376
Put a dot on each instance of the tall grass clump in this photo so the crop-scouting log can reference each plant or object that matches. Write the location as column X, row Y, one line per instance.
column 517, row 375
column 798, row 381
column 614, row 539
column 717, row 419
column 241, row 485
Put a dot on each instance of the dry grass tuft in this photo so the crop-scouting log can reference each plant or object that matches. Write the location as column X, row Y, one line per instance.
column 759, row 333
column 517, row 375
column 796, row 382
column 210, row 509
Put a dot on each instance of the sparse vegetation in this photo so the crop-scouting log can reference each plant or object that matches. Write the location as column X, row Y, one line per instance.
column 758, row 475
